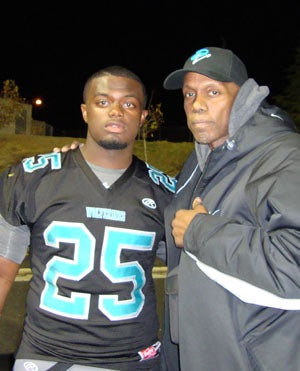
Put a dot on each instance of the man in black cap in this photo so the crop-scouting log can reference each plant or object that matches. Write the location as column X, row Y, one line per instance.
column 233, row 228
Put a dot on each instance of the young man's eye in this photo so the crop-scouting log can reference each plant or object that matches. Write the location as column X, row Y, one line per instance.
column 101, row 102
column 129, row 104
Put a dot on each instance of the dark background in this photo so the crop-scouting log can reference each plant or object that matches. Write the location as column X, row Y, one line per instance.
column 50, row 48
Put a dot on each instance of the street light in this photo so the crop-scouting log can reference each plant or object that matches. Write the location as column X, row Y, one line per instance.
column 38, row 102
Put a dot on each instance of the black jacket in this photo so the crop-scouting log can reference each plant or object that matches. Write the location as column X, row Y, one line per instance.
column 238, row 304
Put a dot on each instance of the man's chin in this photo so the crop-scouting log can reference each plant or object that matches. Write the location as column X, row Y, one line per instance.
column 112, row 144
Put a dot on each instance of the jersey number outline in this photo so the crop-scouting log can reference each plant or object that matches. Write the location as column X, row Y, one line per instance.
column 33, row 163
column 114, row 241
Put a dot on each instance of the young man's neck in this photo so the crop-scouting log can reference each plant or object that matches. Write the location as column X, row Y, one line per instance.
column 108, row 158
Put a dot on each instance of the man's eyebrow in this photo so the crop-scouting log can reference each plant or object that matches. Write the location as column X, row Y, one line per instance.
column 99, row 93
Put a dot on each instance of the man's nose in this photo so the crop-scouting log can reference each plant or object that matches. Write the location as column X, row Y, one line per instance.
column 116, row 110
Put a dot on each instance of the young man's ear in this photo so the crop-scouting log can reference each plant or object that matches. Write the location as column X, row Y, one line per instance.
column 83, row 112
column 143, row 117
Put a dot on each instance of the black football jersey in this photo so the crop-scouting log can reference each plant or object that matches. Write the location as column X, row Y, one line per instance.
column 92, row 250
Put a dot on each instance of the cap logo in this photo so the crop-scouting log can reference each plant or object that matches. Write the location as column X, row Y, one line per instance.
column 200, row 54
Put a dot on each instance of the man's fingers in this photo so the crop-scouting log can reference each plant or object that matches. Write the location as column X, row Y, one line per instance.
column 197, row 201
column 75, row 145
column 198, row 206
column 67, row 147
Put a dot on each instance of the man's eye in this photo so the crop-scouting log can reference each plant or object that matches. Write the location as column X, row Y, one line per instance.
column 129, row 104
column 101, row 102
column 214, row 92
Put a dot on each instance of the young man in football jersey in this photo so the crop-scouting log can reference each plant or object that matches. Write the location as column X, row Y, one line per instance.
column 93, row 220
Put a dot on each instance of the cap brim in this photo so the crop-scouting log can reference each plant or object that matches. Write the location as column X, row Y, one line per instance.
column 174, row 80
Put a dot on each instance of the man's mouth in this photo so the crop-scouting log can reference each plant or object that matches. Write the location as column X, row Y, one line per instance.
column 115, row 127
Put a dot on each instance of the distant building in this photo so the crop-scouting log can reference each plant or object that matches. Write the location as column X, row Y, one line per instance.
column 25, row 124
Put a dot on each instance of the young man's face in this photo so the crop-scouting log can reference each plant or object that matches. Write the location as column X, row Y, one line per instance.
column 207, row 104
column 114, row 111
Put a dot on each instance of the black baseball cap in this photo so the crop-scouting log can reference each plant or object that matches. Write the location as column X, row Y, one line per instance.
column 217, row 63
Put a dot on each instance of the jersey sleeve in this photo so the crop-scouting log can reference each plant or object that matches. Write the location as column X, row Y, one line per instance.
column 12, row 188
column 14, row 233
column 14, row 241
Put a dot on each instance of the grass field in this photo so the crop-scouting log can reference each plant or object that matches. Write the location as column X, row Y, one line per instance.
column 166, row 156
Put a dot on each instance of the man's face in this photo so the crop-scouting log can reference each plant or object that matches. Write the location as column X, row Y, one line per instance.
column 114, row 111
column 207, row 105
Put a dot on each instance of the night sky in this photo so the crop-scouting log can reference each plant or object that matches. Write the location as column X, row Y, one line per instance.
column 50, row 50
